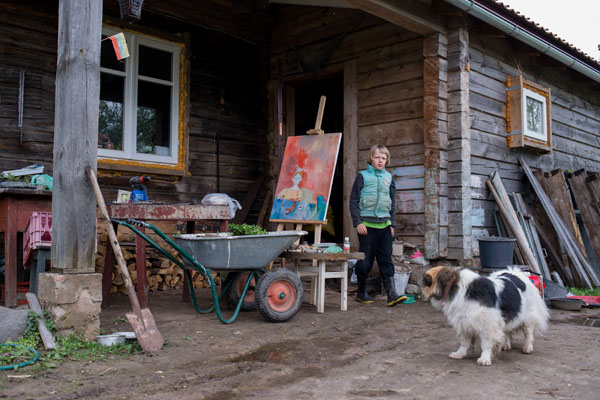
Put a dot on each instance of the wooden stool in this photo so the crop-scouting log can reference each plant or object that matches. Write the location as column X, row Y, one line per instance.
column 328, row 266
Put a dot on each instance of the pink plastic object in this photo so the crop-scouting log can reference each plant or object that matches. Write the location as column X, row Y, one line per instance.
column 37, row 234
column 416, row 254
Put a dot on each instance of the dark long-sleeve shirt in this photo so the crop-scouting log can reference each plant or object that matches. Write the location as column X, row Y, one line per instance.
column 355, row 203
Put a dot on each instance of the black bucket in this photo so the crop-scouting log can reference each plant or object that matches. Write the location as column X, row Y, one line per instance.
column 496, row 252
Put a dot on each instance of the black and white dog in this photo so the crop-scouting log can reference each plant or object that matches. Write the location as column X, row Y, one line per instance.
column 488, row 309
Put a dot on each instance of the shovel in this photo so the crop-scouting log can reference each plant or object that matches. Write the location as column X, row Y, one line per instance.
column 142, row 321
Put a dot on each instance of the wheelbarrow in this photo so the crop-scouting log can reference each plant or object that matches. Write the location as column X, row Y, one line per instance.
column 277, row 294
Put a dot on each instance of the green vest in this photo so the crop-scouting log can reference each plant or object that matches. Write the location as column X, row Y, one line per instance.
column 375, row 198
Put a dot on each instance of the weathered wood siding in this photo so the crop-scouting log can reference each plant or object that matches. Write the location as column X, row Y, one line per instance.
column 27, row 41
column 389, row 90
column 575, row 122
column 227, row 93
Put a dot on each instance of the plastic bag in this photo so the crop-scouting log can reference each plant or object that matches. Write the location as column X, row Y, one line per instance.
column 221, row 199
column 44, row 180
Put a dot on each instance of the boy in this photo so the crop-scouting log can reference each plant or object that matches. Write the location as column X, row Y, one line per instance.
column 372, row 208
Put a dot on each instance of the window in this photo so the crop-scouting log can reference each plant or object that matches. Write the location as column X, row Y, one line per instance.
column 139, row 102
column 528, row 115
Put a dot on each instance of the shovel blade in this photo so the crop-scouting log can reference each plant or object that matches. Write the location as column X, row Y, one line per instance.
column 146, row 332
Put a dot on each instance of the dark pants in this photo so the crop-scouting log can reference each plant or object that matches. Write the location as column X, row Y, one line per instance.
column 377, row 243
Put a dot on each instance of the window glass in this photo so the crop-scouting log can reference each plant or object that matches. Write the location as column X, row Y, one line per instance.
column 155, row 63
column 153, row 118
column 108, row 58
column 535, row 115
column 110, row 117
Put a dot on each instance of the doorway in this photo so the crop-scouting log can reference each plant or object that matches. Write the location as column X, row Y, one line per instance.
column 306, row 106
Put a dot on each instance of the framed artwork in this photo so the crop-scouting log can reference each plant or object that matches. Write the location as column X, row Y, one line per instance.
column 305, row 179
column 528, row 115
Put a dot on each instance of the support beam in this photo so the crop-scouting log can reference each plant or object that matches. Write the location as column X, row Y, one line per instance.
column 460, row 235
column 411, row 15
column 76, row 135
column 350, row 142
column 435, row 132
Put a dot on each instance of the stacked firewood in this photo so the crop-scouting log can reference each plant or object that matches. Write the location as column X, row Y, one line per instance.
column 161, row 273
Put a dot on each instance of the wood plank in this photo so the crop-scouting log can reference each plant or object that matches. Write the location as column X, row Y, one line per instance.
column 413, row 15
column 586, row 202
column 45, row 333
column 510, row 216
column 350, row 143
column 391, row 134
column 558, row 192
column 582, row 266
column 248, row 200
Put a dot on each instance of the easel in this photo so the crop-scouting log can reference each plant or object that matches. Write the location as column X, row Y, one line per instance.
column 317, row 225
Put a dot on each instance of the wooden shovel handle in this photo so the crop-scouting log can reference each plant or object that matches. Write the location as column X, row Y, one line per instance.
column 135, row 304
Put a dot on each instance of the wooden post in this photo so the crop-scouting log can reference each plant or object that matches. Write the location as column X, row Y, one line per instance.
column 318, row 130
column 350, row 143
column 76, row 135
column 460, row 230
column 435, row 133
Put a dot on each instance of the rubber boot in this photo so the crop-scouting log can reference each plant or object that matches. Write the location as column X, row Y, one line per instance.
column 361, row 295
column 393, row 298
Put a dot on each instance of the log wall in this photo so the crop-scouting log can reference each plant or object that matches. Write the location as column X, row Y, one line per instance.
column 227, row 93
column 575, row 122
column 389, row 87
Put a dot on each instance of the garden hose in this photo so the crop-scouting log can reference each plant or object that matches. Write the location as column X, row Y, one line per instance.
column 21, row 365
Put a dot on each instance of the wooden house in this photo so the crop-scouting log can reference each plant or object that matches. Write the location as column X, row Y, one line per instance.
column 214, row 87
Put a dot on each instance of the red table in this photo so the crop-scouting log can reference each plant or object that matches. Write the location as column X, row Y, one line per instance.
column 16, row 206
column 190, row 213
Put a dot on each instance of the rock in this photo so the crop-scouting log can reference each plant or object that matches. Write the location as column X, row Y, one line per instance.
column 12, row 323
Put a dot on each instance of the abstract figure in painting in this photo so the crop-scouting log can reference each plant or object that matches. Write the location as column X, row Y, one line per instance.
column 305, row 179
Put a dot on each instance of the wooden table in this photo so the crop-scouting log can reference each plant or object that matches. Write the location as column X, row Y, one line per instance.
column 190, row 213
column 16, row 206
column 328, row 266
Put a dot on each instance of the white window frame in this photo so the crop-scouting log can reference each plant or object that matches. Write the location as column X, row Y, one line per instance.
column 130, row 100
column 543, row 136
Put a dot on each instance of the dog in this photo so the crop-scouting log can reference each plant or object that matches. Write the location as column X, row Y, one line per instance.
column 487, row 309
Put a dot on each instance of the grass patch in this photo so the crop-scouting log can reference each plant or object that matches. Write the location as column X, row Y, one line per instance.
column 72, row 348
column 585, row 291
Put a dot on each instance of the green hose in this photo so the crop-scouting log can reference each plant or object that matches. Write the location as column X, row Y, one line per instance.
column 21, row 365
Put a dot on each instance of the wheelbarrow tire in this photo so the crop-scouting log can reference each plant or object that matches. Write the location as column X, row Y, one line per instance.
column 235, row 291
column 279, row 295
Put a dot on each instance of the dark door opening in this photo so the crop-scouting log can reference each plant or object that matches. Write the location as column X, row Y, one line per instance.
column 307, row 100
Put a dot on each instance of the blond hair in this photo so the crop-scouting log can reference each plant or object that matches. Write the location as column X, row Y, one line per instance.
column 382, row 149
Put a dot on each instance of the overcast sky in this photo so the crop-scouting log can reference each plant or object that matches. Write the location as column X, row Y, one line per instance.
column 575, row 21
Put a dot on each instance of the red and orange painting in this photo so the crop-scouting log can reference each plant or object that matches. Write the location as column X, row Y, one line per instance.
column 305, row 178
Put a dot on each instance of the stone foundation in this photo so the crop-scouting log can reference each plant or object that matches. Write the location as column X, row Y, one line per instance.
column 74, row 302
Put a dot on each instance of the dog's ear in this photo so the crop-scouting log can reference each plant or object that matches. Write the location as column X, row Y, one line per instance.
column 431, row 283
column 427, row 281
column 447, row 276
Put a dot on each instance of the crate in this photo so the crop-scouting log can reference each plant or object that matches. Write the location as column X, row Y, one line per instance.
column 22, row 289
column 37, row 234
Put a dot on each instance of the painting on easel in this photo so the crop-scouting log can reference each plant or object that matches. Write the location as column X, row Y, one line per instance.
column 305, row 179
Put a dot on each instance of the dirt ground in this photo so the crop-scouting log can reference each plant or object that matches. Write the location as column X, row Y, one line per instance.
column 369, row 351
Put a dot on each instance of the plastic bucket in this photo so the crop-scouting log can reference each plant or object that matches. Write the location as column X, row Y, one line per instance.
column 496, row 252
column 401, row 278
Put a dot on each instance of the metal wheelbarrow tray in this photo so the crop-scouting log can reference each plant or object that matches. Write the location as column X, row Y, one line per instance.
column 277, row 294
column 225, row 252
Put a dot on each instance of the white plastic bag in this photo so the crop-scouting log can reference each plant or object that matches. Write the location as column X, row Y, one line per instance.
column 221, row 199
